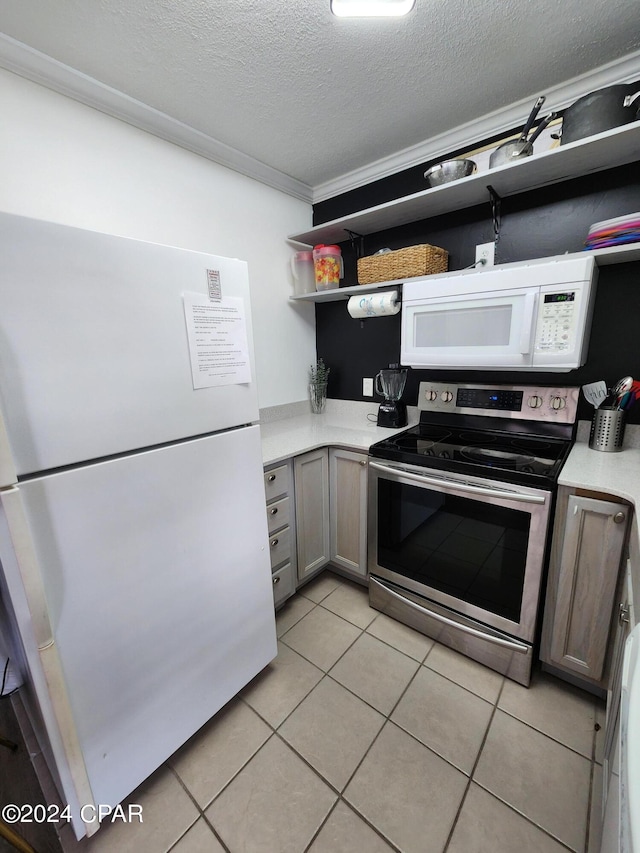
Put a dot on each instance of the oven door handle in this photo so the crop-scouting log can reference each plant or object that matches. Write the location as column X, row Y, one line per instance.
column 513, row 645
column 463, row 487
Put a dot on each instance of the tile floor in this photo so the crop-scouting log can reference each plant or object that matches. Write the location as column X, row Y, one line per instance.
column 364, row 736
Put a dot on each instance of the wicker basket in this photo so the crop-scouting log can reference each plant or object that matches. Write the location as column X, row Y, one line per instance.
column 404, row 263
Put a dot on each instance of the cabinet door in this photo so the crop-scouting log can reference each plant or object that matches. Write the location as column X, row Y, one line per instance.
column 348, row 504
column 594, row 536
column 311, row 474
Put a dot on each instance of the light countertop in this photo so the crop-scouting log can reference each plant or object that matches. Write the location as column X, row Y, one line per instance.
column 615, row 473
column 342, row 424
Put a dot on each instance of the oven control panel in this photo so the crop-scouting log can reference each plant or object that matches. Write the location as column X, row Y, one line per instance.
column 527, row 402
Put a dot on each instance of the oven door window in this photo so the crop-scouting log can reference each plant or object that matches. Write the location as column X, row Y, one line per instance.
column 469, row 549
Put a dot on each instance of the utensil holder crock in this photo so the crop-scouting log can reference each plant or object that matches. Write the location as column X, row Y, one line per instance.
column 607, row 430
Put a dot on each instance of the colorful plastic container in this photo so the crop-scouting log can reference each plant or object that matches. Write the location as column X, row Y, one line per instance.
column 328, row 267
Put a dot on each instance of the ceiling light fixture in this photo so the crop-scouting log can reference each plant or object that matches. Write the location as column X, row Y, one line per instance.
column 371, row 8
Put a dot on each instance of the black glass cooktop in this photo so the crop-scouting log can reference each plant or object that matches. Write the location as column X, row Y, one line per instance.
column 510, row 456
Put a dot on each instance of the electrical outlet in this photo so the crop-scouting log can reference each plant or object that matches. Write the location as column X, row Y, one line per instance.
column 367, row 387
column 486, row 252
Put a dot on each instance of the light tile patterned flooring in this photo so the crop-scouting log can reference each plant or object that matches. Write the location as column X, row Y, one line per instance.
column 364, row 736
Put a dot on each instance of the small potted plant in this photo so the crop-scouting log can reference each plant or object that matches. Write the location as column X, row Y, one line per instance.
column 318, row 379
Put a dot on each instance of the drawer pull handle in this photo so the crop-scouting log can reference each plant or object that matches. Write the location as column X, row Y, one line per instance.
column 619, row 517
column 274, row 542
column 363, row 461
column 274, row 510
column 272, row 478
column 276, row 580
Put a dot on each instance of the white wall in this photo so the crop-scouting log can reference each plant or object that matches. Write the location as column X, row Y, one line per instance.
column 66, row 162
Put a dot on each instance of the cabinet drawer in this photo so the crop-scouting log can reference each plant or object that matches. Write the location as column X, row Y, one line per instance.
column 276, row 482
column 283, row 585
column 278, row 514
column 280, row 547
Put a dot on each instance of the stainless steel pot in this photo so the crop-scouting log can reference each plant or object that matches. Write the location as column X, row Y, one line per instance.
column 520, row 147
column 510, row 151
column 599, row 111
column 450, row 170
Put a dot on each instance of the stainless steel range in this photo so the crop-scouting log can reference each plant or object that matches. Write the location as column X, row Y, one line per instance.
column 459, row 512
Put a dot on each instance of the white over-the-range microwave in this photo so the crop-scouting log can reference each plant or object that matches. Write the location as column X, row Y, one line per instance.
column 528, row 316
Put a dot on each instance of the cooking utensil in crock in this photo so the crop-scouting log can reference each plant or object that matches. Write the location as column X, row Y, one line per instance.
column 520, row 147
column 598, row 111
column 622, row 385
column 448, row 171
column 620, row 390
column 595, row 392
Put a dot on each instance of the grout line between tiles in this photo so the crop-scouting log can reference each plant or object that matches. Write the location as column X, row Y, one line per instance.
column 322, row 825
column 545, row 734
column 494, row 795
column 526, row 818
column 457, row 683
column 473, row 770
column 336, row 791
column 299, row 619
column 200, row 810
column 491, row 793
column 342, row 654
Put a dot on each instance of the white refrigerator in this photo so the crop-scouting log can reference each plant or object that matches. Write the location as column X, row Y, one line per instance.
column 135, row 574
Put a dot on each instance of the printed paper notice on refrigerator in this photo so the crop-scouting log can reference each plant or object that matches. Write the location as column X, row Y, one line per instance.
column 218, row 347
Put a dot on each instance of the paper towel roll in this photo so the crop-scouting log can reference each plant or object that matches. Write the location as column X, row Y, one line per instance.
column 374, row 304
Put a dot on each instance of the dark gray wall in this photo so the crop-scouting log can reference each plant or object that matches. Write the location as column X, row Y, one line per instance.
column 536, row 224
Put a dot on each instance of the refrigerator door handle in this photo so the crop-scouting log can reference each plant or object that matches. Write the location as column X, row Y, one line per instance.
column 33, row 590
column 8, row 475
column 28, row 566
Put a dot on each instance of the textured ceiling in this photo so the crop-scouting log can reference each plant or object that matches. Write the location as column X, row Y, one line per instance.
column 315, row 96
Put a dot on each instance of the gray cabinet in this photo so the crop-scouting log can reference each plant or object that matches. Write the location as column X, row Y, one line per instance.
column 348, row 511
column 311, row 478
column 584, row 582
column 278, row 487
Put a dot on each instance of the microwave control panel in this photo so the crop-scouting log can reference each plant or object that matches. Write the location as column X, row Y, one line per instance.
column 556, row 326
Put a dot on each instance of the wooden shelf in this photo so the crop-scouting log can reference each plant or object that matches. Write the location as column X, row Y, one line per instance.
column 604, row 257
column 606, row 150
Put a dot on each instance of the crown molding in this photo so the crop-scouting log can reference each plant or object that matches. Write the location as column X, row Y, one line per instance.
column 40, row 68
column 470, row 134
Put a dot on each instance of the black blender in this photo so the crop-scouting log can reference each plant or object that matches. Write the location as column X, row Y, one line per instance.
column 390, row 384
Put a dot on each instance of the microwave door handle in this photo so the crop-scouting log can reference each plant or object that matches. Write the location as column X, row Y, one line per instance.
column 527, row 323
column 468, row 488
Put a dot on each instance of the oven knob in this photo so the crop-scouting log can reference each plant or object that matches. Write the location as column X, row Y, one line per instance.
column 444, row 454
column 430, row 396
column 558, row 403
column 535, row 401
column 446, row 396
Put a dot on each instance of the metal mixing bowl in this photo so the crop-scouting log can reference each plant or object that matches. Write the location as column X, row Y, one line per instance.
column 450, row 170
